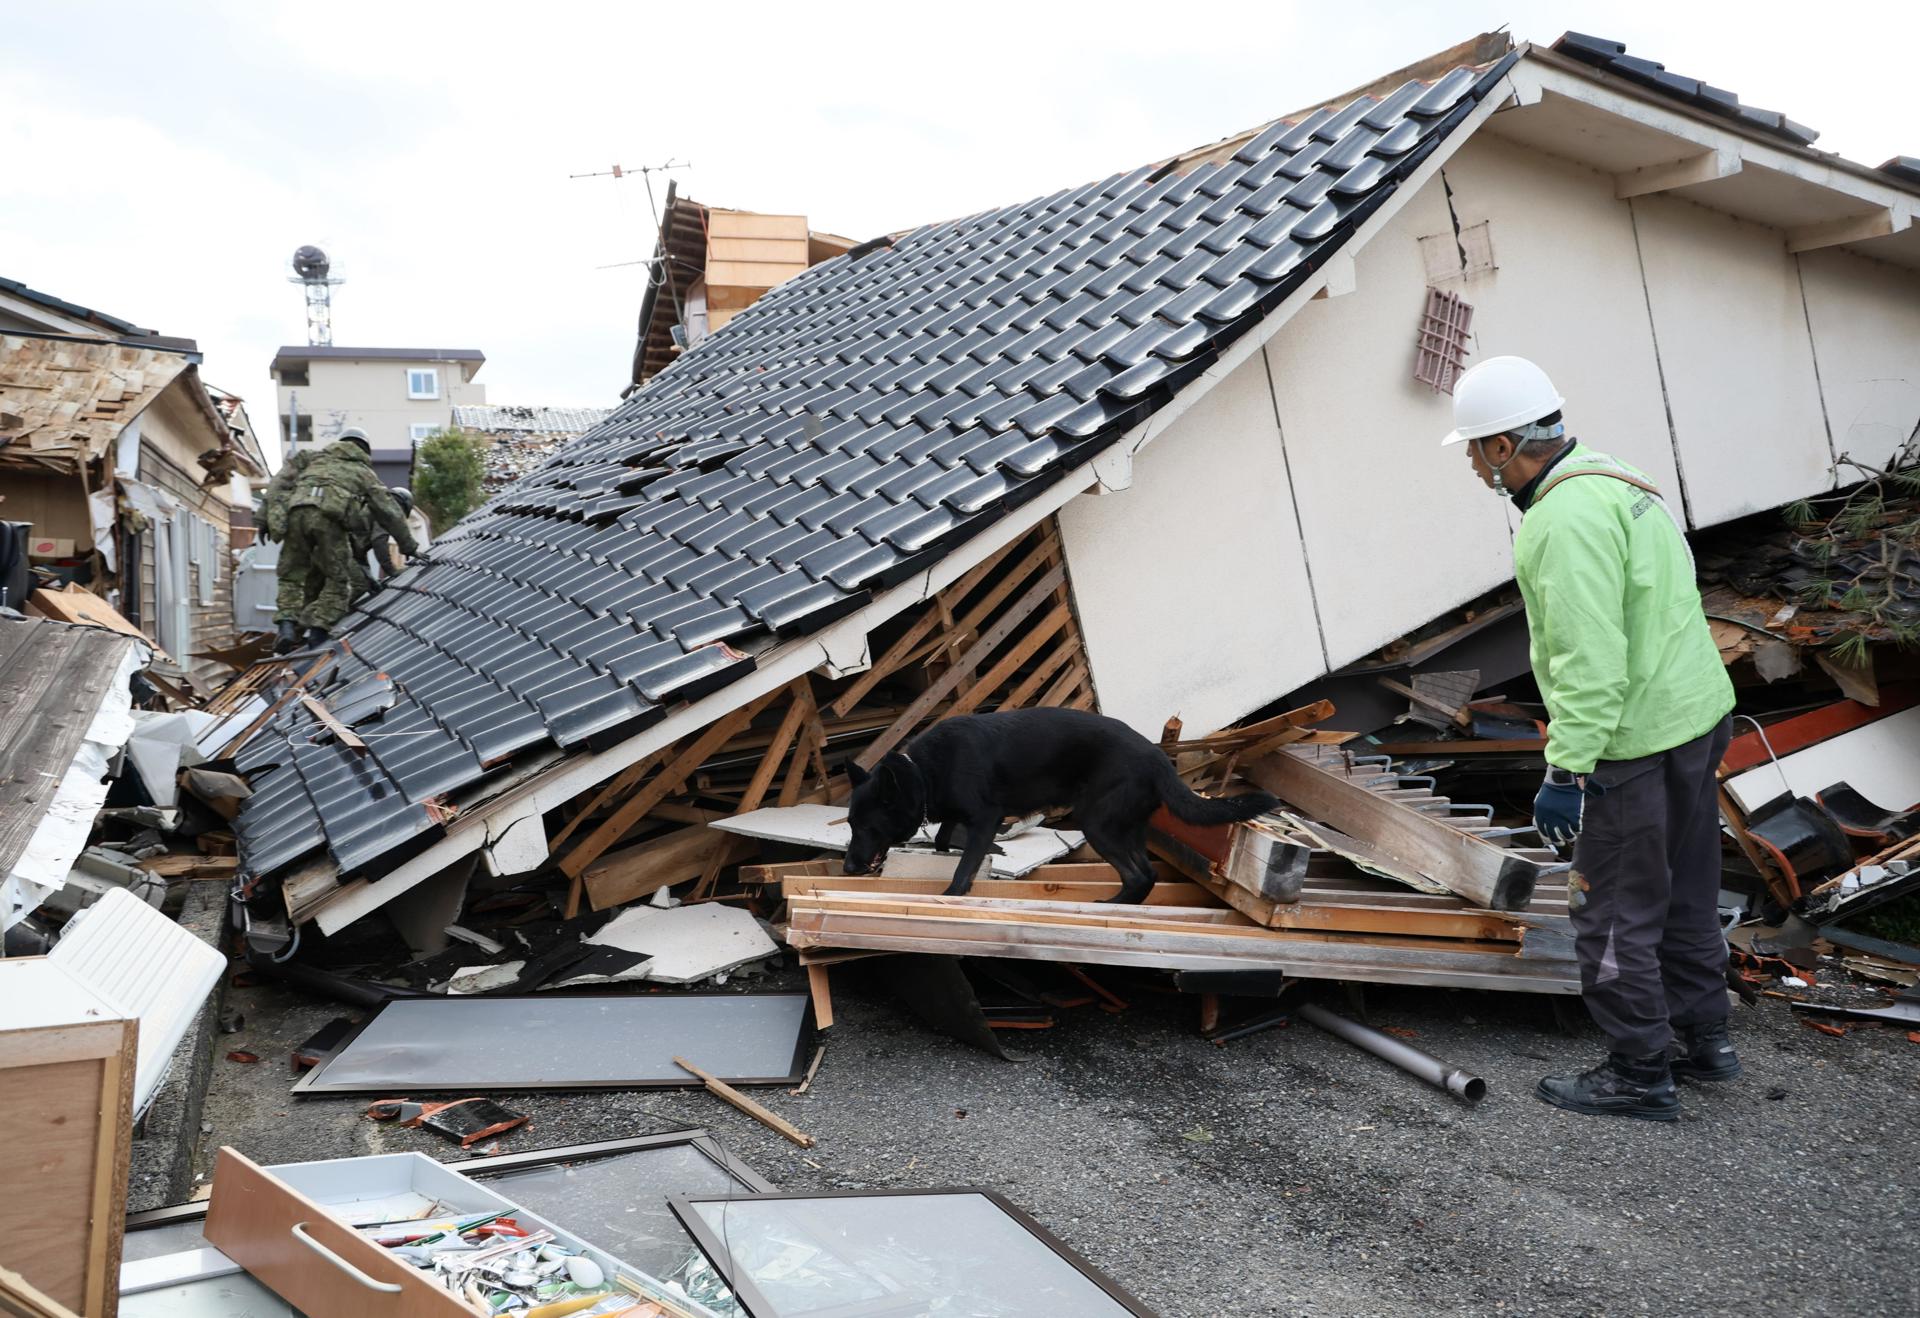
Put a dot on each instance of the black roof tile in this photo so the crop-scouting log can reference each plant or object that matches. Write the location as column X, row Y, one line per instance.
column 843, row 432
column 1612, row 56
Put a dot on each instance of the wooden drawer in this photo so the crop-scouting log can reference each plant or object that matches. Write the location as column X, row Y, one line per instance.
column 310, row 1257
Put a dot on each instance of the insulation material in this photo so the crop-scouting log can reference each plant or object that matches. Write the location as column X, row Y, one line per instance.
column 825, row 827
column 62, row 833
column 161, row 744
column 148, row 967
column 686, row 943
column 1880, row 761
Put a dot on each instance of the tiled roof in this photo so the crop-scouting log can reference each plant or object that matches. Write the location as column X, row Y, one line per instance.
column 537, row 420
column 841, row 434
column 1612, row 56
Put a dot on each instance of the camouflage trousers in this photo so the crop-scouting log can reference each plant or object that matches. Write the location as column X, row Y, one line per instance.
column 320, row 574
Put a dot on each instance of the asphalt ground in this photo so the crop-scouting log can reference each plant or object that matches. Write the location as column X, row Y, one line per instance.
column 1288, row 1172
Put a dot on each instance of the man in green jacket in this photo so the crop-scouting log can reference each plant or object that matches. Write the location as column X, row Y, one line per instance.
column 323, row 557
column 1638, row 703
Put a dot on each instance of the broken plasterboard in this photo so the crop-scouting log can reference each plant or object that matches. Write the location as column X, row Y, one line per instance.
column 685, row 943
column 825, row 827
column 1881, row 761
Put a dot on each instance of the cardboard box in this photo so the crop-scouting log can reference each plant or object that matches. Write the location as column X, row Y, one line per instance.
column 42, row 546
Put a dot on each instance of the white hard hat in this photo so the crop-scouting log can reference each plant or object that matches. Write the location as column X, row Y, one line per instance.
column 1498, row 395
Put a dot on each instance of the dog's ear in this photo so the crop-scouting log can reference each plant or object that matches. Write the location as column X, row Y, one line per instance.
column 855, row 774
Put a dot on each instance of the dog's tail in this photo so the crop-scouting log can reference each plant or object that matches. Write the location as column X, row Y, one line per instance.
column 1191, row 808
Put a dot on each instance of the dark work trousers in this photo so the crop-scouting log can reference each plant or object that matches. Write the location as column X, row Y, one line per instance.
column 1646, row 885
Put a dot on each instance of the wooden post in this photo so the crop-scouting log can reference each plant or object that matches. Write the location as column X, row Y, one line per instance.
column 822, row 997
column 720, row 1089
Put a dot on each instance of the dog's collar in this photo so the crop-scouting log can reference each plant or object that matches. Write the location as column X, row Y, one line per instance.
column 925, row 818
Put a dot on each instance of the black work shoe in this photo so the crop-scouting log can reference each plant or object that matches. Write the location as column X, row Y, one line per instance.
column 286, row 637
column 1619, row 1087
column 317, row 637
column 1703, row 1052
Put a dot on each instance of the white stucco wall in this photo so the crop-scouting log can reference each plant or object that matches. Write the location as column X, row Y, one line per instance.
column 1866, row 337
column 1567, row 293
column 1396, row 527
column 1191, row 587
column 1733, row 340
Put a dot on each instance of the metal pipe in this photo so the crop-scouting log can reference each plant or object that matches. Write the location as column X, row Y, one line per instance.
column 1408, row 1058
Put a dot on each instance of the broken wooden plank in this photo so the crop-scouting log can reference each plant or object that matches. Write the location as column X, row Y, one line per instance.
column 1484, row 874
column 668, row 781
column 341, row 732
column 966, row 663
column 721, row 1089
column 638, row 871
column 842, row 922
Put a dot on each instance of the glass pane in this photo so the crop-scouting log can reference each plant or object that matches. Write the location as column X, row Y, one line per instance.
column 454, row 1043
column 620, row 1202
column 235, row 1296
column 173, row 1238
column 900, row 1256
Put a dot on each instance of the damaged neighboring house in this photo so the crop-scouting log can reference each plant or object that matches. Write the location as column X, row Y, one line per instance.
column 712, row 263
column 512, row 440
column 128, row 474
column 1189, row 415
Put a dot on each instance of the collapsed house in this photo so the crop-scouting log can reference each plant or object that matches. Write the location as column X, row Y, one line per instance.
column 124, row 477
column 1150, row 401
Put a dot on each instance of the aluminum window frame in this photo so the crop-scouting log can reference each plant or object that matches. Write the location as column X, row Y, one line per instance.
column 419, row 430
column 312, row 1082
column 433, row 374
column 758, row 1306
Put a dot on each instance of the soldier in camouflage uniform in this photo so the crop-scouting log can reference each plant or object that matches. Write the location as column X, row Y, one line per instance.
column 336, row 500
column 291, row 595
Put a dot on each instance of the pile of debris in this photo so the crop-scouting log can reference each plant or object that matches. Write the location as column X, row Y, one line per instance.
column 513, row 441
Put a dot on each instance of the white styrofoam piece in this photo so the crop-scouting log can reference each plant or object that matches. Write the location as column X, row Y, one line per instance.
column 146, row 966
column 688, row 943
column 38, row 993
column 62, row 832
column 825, row 827
column 1880, row 761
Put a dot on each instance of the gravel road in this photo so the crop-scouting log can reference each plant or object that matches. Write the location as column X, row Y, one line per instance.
column 1288, row 1173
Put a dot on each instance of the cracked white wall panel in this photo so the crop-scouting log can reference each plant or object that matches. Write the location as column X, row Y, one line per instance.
column 1733, row 343
column 1567, row 294
column 1865, row 316
column 1191, row 587
column 1397, row 530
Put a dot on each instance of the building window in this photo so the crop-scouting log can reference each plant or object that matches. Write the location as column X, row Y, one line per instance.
column 423, row 382
column 420, row 430
column 294, row 376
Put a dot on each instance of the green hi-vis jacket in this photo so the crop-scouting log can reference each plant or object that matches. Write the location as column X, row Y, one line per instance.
column 1621, row 647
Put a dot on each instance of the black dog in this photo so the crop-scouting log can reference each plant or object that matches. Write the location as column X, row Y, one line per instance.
column 970, row 773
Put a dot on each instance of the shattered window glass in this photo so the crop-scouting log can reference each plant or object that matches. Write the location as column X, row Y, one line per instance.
column 620, row 1202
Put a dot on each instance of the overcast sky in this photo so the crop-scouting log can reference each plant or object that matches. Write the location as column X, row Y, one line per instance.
column 162, row 161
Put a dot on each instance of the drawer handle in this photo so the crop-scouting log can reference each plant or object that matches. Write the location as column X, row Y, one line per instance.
column 300, row 1234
